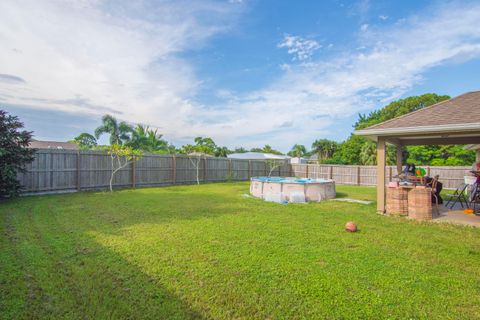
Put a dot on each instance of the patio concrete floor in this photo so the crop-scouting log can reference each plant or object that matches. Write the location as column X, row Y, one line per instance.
column 456, row 216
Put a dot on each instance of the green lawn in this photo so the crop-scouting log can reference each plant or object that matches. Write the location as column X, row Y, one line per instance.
column 208, row 252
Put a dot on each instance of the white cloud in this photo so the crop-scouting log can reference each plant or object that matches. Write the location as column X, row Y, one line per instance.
column 96, row 56
column 301, row 49
column 383, row 17
column 364, row 27
column 315, row 96
column 84, row 57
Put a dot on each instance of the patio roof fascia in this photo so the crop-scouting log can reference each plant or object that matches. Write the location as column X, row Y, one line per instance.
column 436, row 129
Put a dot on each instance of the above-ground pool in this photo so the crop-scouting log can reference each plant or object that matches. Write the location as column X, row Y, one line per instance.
column 292, row 189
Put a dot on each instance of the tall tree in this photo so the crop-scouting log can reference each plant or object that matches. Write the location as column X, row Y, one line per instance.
column 222, row 152
column 146, row 139
column 85, row 141
column 14, row 153
column 119, row 132
column 240, row 150
column 398, row 108
column 187, row 149
column 298, row 150
column 205, row 145
column 266, row 149
column 368, row 153
column 324, row 148
column 358, row 150
column 139, row 138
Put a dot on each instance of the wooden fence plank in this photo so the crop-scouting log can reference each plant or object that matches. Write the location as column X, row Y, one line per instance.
column 174, row 170
column 78, row 172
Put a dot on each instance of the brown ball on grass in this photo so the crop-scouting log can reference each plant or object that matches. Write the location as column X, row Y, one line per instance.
column 351, row 227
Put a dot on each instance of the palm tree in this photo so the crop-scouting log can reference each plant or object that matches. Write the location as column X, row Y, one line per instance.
column 324, row 148
column 139, row 137
column 368, row 154
column 155, row 141
column 298, row 150
column 119, row 132
column 144, row 138
column 222, row 152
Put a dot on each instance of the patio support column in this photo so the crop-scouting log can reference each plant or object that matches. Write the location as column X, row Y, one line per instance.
column 399, row 158
column 381, row 175
column 477, row 156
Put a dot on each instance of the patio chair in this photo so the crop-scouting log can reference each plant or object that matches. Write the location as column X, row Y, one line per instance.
column 458, row 196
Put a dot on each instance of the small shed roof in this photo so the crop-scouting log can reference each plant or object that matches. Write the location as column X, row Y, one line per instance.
column 454, row 121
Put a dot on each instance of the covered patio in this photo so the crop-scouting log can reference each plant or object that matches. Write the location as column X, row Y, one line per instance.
column 454, row 121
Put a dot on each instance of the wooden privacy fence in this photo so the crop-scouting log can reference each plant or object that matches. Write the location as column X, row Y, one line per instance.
column 68, row 171
column 451, row 177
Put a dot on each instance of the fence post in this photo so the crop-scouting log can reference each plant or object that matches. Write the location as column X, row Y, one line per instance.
column 265, row 163
column 204, row 169
column 78, row 171
column 249, row 169
column 174, row 169
column 230, row 168
column 134, row 178
column 306, row 171
column 390, row 175
column 330, row 174
column 358, row 175
column 428, row 171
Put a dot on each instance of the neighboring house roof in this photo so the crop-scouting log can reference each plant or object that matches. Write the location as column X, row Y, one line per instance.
column 461, row 113
column 38, row 144
column 313, row 157
column 200, row 154
column 257, row 156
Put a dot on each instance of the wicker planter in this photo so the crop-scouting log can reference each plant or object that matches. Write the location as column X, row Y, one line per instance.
column 397, row 201
column 420, row 204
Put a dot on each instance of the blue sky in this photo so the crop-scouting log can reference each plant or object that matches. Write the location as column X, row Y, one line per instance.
column 245, row 72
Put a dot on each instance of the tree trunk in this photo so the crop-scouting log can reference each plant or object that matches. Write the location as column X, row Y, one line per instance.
column 120, row 166
column 113, row 172
column 111, row 181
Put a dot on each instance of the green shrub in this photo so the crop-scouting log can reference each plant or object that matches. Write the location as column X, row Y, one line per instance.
column 14, row 153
